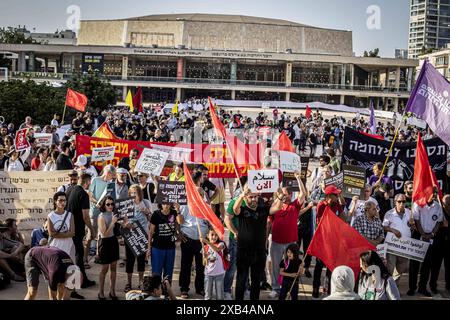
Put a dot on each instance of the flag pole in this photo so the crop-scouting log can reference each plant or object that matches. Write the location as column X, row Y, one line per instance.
column 64, row 114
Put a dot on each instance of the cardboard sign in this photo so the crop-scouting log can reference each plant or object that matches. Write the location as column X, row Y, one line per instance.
column 125, row 208
column 354, row 181
column 416, row 122
column 290, row 162
column 406, row 247
column 289, row 179
column 263, row 181
column 170, row 192
column 337, row 181
column 136, row 239
column 21, row 141
column 176, row 154
column 43, row 139
column 103, row 154
column 152, row 161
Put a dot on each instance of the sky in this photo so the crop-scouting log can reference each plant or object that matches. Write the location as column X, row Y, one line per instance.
column 379, row 24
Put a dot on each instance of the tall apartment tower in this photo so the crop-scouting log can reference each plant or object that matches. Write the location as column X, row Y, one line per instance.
column 429, row 26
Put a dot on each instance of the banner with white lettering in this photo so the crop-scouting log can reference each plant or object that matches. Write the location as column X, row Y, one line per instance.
column 366, row 151
column 28, row 196
column 136, row 239
column 406, row 247
column 337, row 181
column 263, row 181
column 170, row 192
column 43, row 139
column 124, row 208
column 103, row 154
column 152, row 161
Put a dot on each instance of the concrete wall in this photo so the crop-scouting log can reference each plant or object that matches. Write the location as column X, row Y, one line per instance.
column 108, row 33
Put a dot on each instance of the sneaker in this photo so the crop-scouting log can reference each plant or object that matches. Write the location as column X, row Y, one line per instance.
column 227, row 296
column 411, row 292
column 308, row 274
column 425, row 292
column 87, row 283
column 315, row 293
column 273, row 294
column 76, row 295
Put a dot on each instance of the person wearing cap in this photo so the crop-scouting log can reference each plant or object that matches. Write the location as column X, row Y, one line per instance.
column 83, row 164
column 334, row 201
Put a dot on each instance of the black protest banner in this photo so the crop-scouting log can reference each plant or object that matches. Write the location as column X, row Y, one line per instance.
column 170, row 192
column 289, row 179
column 354, row 181
column 125, row 208
column 136, row 239
column 337, row 181
column 366, row 151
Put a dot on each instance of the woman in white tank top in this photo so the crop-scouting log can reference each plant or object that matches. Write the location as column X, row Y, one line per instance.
column 61, row 226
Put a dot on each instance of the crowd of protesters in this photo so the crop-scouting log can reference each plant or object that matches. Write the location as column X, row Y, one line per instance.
column 268, row 234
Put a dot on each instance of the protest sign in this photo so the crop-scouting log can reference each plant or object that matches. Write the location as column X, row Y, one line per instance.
column 21, row 141
column 28, row 197
column 354, row 181
column 170, row 192
column 413, row 121
column 290, row 162
column 366, row 151
column 406, row 247
column 103, row 154
column 289, row 179
column 263, row 181
column 136, row 239
column 337, row 181
column 43, row 139
column 124, row 208
column 152, row 161
column 382, row 250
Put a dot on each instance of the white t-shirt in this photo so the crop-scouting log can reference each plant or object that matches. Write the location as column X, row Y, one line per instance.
column 393, row 220
column 65, row 244
column 214, row 266
column 428, row 216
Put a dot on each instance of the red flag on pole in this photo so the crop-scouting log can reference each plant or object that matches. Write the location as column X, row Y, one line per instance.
column 337, row 244
column 423, row 185
column 76, row 100
column 137, row 100
column 284, row 143
column 198, row 206
column 218, row 125
column 308, row 112
column 243, row 158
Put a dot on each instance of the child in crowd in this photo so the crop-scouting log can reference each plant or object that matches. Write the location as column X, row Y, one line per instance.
column 290, row 272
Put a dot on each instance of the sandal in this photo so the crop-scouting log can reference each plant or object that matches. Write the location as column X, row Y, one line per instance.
column 127, row 288
column 184, row 295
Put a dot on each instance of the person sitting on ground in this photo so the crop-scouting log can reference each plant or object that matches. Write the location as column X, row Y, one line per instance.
column 11, row 261
column 153, row 289
column 342, row 284
column 38, row 234
column 56, row 266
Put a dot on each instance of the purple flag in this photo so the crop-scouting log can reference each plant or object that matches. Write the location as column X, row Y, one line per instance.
column 373, row 126
column 430, row 101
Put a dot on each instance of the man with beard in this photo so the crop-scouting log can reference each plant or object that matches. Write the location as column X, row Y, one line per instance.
column 408, row 189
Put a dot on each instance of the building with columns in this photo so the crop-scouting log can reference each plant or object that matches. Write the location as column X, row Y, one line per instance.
column 176, row 56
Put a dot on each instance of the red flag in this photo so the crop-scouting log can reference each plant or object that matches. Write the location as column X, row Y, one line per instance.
column 236, row 119
column 337, row 244
column 137, row 100
column 198, row 206
column 218, row 125
column 375, row 136
column 308, row 112
column 243, row 158
column 423, row 185
column 284, row 143
column 76, row 100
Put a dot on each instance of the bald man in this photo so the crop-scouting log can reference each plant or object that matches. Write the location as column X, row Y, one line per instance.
column 442, row 249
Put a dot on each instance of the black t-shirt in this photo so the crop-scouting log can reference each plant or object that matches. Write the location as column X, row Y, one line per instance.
column 2, row 162
column 150, row 188
column 63, row 162
column 53, row 264
column 165, row 229
column 208, row 186
column 293, row 266
column 77, row 200
column 252, row 227
column 125, row 163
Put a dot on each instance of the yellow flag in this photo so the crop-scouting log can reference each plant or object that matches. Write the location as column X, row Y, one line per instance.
column 129, row 101
column 175, row 108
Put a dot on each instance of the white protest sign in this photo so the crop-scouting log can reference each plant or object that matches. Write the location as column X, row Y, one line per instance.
column 416, row 122
column 290, row 162
column 152, row 161
column 103, row 154
column 43, row 139
column 406, row 247
column 263, row 181
column 175, row 154
column 382, row 250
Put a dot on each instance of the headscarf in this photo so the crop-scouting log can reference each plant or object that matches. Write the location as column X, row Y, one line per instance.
column 342, row 284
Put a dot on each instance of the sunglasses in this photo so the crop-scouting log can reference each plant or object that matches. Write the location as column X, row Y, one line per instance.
column 401, row 201
column 109, row 204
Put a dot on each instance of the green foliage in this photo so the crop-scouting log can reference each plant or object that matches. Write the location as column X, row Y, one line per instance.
column 13, row 35
column 372, row 53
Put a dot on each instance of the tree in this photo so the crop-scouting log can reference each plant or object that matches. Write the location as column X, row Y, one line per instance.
column 372, row 53
column 14, row 35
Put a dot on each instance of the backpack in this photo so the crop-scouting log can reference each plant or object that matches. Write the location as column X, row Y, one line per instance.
column 225, row 255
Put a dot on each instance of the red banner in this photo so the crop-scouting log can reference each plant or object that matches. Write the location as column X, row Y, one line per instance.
column 214, row 156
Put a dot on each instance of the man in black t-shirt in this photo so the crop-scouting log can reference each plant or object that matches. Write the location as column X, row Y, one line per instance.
column 78, row 203
column 63, row 161
column 252, row 213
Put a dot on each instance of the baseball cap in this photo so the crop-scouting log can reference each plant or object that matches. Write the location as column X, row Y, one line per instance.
column 81, row 160
column 122, row 171
column 332, row 190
